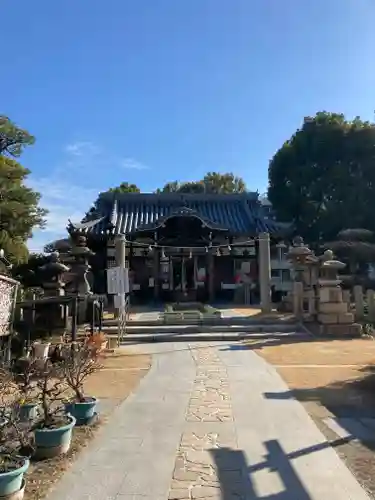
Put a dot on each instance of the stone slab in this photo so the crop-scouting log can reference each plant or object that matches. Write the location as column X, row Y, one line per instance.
column 133, row 455
column 281, row 448
column 333, row 307
column 350, row 428
column 328, row 318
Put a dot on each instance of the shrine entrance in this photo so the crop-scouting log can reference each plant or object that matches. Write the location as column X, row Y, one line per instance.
column 183, row 283
column 184, row 247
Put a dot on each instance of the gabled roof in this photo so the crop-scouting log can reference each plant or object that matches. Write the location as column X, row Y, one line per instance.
column 125, row 213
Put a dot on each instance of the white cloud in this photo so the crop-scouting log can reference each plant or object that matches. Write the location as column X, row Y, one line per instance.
column 64, row 201
column 65, row 193
column 132, row 164
column 70, row 189
column 81, row 148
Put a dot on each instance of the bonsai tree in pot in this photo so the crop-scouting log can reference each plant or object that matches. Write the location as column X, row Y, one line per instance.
column 13, row 437
column 26, row 380
column 53, row 430
column 79, row 363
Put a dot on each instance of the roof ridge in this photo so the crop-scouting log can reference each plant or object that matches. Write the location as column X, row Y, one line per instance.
column 249, row 195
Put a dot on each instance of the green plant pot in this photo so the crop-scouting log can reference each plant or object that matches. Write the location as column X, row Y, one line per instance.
column 12, row 481
column 53, row 442
column 28, row 411
column 82, row 412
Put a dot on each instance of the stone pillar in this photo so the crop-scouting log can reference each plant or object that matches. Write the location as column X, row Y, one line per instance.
column 346, row 297
column 211, row 277
column 265, row 272
column 120, row 257
column 156, row 273
column 370, row 296
column 120, row 251
column 358, row 299
column 298, row 299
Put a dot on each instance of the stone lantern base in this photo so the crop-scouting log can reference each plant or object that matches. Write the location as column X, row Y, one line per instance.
column 334, row 317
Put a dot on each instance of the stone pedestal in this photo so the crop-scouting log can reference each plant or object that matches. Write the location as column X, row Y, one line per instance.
column 334, row 314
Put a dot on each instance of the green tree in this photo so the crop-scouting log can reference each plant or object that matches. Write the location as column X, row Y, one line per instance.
column 124, row 187
column 356, row 247
column 19, row 205
column 212, row 182
column 12, row 138
column 323, row 178
column 29, row 273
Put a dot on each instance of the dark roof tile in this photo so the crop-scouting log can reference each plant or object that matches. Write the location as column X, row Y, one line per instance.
column 239, row 213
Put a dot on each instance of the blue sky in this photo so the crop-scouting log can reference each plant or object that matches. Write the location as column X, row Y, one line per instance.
column 148, row 91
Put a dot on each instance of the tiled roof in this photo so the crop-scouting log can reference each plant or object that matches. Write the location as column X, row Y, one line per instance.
column 238, row 213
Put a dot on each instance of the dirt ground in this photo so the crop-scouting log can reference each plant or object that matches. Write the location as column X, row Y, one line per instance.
column 327, row 376
column 120, row 375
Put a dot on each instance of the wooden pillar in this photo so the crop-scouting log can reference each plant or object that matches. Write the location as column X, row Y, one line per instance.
column 211, row 276
column 156, row 273
column 265, row 272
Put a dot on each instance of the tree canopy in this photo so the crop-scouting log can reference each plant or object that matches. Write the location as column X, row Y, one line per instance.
column 12, row 138
column 323, row 178
column 212, row 182
column 19, row 205
column 125, row 187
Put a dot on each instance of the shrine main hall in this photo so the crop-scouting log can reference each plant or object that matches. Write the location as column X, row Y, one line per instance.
column 192, row 247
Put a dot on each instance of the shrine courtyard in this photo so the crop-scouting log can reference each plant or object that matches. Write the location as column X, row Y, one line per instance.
column 287, row 418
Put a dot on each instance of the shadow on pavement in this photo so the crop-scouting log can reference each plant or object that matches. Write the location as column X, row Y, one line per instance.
column 350, row 404
column 236, row 480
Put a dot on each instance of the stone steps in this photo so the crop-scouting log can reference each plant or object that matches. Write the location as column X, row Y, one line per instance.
column 196, row 329
column 206, row 322
column 208, row 336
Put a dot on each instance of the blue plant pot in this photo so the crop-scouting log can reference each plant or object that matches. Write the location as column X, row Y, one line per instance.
column 28, row 411
column 53, row 442
column 11, row 482
column 83, row 412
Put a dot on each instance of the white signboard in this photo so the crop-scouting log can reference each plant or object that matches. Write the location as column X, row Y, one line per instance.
column 117, row 280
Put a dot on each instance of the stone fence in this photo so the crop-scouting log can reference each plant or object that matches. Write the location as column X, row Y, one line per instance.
column 363, row 304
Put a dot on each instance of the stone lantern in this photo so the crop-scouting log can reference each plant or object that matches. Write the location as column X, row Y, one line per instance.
column 301, row 257
column 301, row 299
column 334, row 315
column 329, row 268
column 52, row 276
column 80, row 266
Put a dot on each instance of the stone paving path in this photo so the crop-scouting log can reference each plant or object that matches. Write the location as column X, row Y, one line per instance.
column 209, row 422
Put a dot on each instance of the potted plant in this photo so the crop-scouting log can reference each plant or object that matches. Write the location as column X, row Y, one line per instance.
column 79, row 363
column 12, row 464
column 25, row 378
column 53, row 429
column 41, row 349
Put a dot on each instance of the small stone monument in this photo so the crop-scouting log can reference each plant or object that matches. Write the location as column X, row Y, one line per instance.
column 80, row 267
column 50, row 313
column 51, row 276
column 80, row 270
column 333, row 316
column 301, row 299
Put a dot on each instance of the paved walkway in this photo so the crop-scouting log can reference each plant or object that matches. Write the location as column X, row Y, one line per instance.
column 205, row 424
